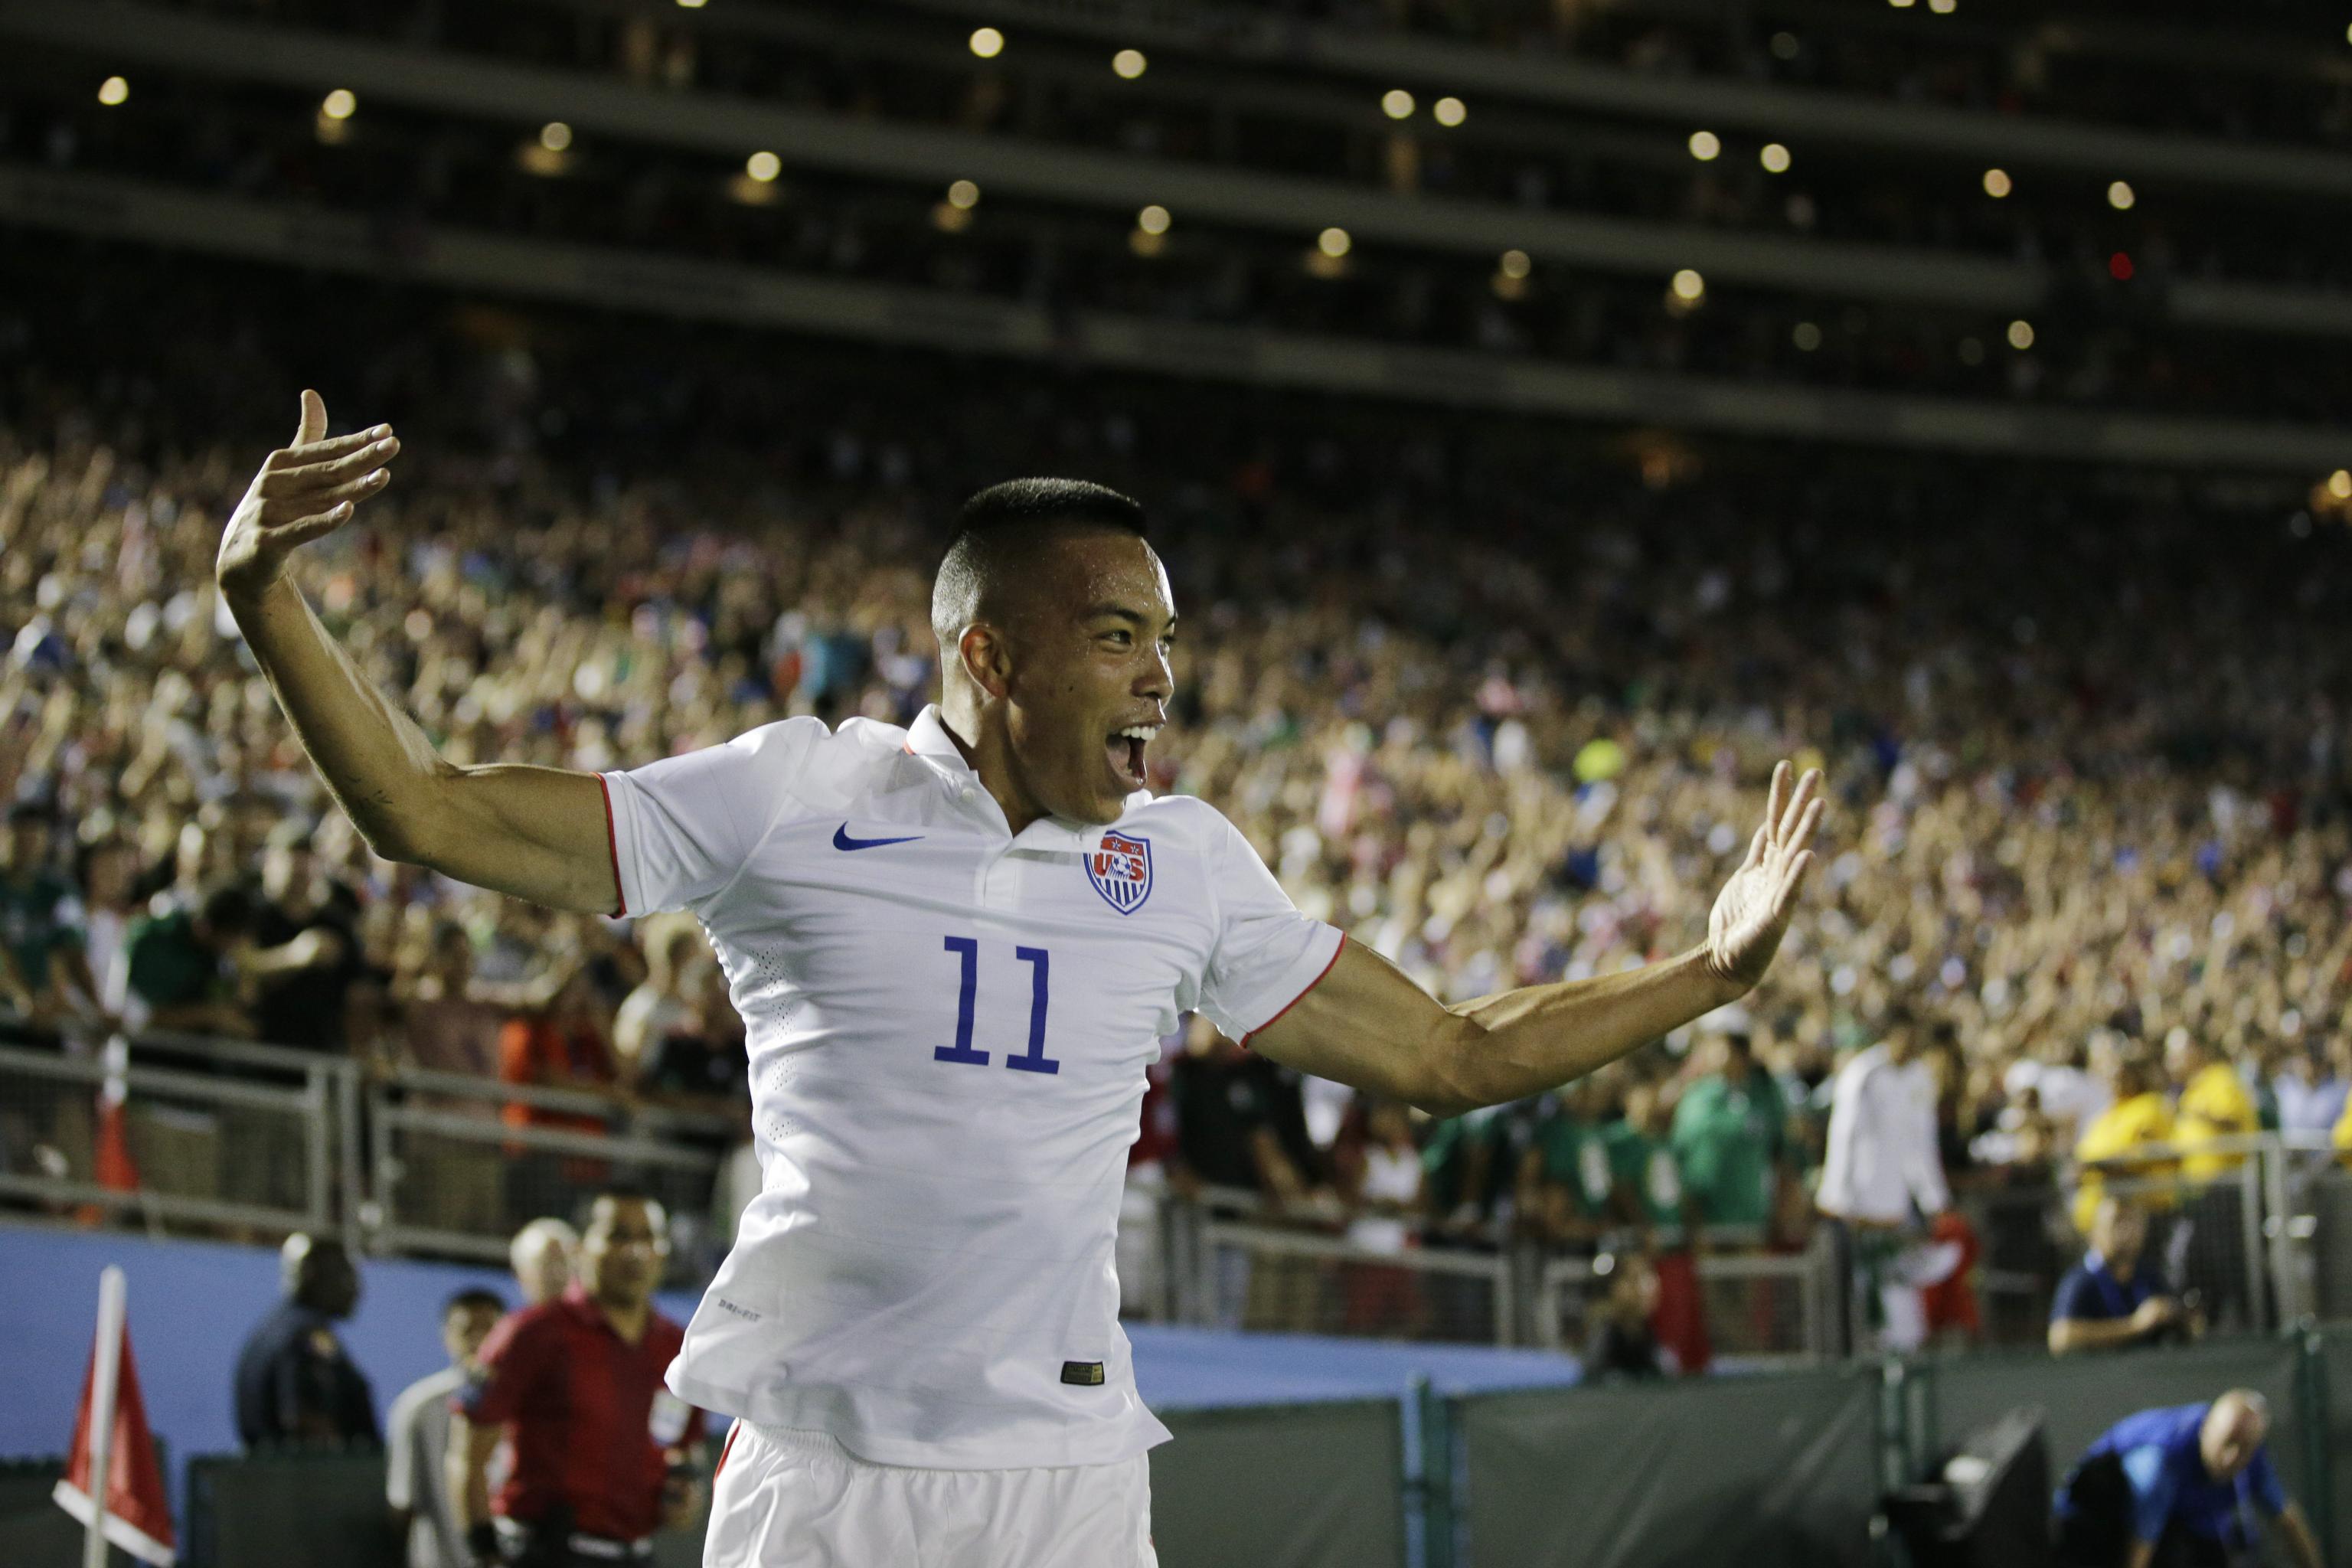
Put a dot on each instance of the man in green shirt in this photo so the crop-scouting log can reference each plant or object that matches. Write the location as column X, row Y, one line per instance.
column 176, row 974
column 1566, row 1184
column 1728, row 1137
column 1642, row 1154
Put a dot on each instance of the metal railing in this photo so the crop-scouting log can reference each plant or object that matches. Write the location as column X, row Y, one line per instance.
column 176, row 1130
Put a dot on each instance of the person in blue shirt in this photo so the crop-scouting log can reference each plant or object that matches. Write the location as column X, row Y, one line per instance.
column 2108, row 1301
column 2184, row 1486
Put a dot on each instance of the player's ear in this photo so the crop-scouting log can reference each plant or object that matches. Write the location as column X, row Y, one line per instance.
column 987, row 658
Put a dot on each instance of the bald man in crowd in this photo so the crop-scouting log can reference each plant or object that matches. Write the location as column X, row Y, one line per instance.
column 2184, row 1486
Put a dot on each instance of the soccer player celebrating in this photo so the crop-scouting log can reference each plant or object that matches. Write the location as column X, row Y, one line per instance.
column 956, row 947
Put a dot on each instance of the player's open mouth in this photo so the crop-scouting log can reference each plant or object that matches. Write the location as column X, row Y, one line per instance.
column 1124, row 749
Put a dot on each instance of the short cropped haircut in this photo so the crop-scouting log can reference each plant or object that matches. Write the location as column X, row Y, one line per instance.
column 1000, row 534
column 467, row 1300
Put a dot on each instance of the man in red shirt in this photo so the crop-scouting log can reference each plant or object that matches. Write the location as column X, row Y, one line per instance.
column 601, row 1448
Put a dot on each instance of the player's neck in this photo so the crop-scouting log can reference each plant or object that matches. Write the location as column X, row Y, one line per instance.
column 986, row 757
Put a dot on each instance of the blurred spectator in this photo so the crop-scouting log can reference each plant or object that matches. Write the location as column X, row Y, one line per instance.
column 1567, row 1184
column 447, row 1026
column 2311, row 1093
column 2108, row 1300
column 2139, row 1117
column 1621, row 1344
column 306, row 955
column 2211, row 1241
column 660, row 1003
column 602, row 1450
column 1649, row 1181
column 417, row 1477
column 1729, row 1132
column 566, row 1045
column 106, row 872
column 179, row 977
column 294, row 1383
column 45, row 973
column 1883, row 1178
column 1380, row 1179
column 543, row 1256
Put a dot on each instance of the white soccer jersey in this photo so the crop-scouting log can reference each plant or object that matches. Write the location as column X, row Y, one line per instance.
column 949, row 1028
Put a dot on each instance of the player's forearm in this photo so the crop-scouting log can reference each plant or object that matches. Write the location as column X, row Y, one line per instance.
column 2069, row 1334
column 378, row 764
column 1539, row 1037
column 466, row 1470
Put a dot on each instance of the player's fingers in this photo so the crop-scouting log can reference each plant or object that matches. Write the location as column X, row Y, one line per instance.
column 277, row 513
column 1806, row 797
column 1793, row 882
column 354, row 461
column 302, row 529
column 1756, row 848
column 313, row 423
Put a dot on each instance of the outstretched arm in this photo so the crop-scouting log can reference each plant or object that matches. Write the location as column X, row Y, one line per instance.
column 537, row 833
column 1367, row 1024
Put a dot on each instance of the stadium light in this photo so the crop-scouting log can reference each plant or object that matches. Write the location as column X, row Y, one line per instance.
column 763, row 167
column 1152, row 219
column 1145, row 243
column 555, row 136
column 1397, row 103
column 1705, row 146
column 339, row 104
column 2120, row 197
column 692, row 5
column 2021, row 335
column 1774, row 157
column 114, row 91
column 1807, row 337
column 1943, row 7
column 987, row 42
column 1996, row 182
column 1688, row 285
column 1449, row 111
column 1128, row 63
column 1516, row 264
column 2340, row 484
column 1902, row 4
column 963, row 196
column 1333, row 243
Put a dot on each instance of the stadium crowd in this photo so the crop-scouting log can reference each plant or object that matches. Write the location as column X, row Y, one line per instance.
column 1498, row 702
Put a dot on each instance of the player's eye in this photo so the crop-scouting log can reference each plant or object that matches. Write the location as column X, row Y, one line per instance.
column 1123, row 638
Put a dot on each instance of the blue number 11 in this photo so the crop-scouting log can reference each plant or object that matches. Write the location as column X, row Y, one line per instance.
column 1034, row 1060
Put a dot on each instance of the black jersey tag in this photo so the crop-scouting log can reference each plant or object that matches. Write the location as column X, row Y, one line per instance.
column 1086, row 1372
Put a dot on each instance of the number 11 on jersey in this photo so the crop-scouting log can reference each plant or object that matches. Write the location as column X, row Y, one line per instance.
column 1034, row 1060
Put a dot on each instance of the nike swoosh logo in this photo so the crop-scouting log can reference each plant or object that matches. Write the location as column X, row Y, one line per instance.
column 841, row 840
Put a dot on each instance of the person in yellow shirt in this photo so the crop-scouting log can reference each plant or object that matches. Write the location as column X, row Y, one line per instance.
column 2139, row 1117
column 2214, row 1104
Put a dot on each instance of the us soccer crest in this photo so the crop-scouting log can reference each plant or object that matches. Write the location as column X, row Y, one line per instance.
column 1120, row 870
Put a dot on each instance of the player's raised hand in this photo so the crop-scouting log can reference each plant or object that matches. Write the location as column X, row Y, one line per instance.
column 1751, row 913
column 303, row 491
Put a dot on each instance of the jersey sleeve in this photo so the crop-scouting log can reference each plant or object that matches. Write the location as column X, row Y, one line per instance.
column 1267, row 954
column 681, row 827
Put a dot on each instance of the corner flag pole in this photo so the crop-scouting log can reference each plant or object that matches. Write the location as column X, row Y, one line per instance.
column 103, row 1378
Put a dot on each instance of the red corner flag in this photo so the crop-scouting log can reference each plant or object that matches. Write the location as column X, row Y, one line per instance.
column 137, row 1514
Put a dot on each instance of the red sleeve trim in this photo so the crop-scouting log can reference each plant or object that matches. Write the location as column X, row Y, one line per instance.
column 613, row 847
column 732, row 1433
column 1295, row 1001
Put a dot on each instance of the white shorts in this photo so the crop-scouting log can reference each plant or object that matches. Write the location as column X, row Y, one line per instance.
column 791, row 1499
